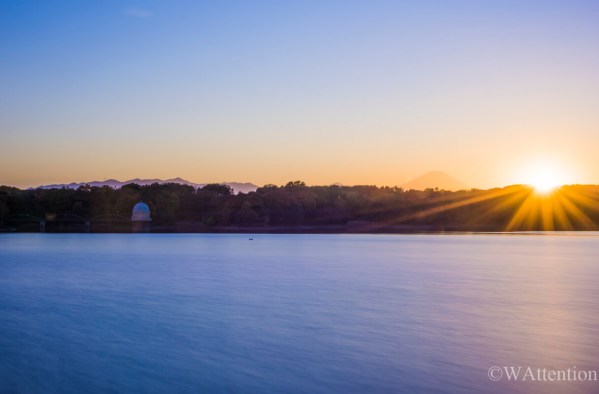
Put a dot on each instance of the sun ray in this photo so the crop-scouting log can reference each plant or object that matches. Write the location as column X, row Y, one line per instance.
column 519, row 207
column 559, row 211
column 454, row 205
column 575, row 211
column 518, row 195
column 524, row 214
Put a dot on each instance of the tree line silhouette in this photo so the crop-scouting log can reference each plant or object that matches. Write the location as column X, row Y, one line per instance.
column 362, row 208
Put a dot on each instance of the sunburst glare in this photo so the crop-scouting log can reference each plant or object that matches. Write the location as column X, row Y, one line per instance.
column 545, row 176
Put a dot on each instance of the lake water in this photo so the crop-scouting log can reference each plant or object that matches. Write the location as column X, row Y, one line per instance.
column 191, row 313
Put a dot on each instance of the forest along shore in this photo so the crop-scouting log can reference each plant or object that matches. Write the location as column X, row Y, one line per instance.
column 297, row 208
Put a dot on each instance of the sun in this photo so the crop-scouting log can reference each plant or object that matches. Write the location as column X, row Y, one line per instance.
column 544, row 182
column 545, row 176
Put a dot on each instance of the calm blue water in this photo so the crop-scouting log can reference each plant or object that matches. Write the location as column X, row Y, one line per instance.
column 86, row 313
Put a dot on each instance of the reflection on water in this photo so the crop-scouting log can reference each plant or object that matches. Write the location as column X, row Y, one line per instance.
column 295, row 313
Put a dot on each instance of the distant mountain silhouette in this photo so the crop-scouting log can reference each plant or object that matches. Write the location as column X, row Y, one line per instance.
column 435, row 179
column 237, row 187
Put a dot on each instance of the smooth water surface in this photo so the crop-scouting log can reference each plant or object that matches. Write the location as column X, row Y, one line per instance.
column 192, row 313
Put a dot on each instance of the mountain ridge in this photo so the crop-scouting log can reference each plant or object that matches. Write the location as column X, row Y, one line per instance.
column 238, row 187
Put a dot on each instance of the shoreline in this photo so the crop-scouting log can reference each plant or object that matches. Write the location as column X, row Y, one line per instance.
column 196, row 228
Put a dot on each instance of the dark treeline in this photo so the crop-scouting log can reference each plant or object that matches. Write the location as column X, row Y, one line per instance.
column 295, row 204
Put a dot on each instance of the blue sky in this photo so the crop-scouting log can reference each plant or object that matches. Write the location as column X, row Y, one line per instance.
column 328, row 91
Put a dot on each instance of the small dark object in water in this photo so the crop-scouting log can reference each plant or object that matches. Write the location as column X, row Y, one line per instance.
column 251, row 239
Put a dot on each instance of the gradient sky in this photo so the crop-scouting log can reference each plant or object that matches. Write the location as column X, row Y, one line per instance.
column 357, row 92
